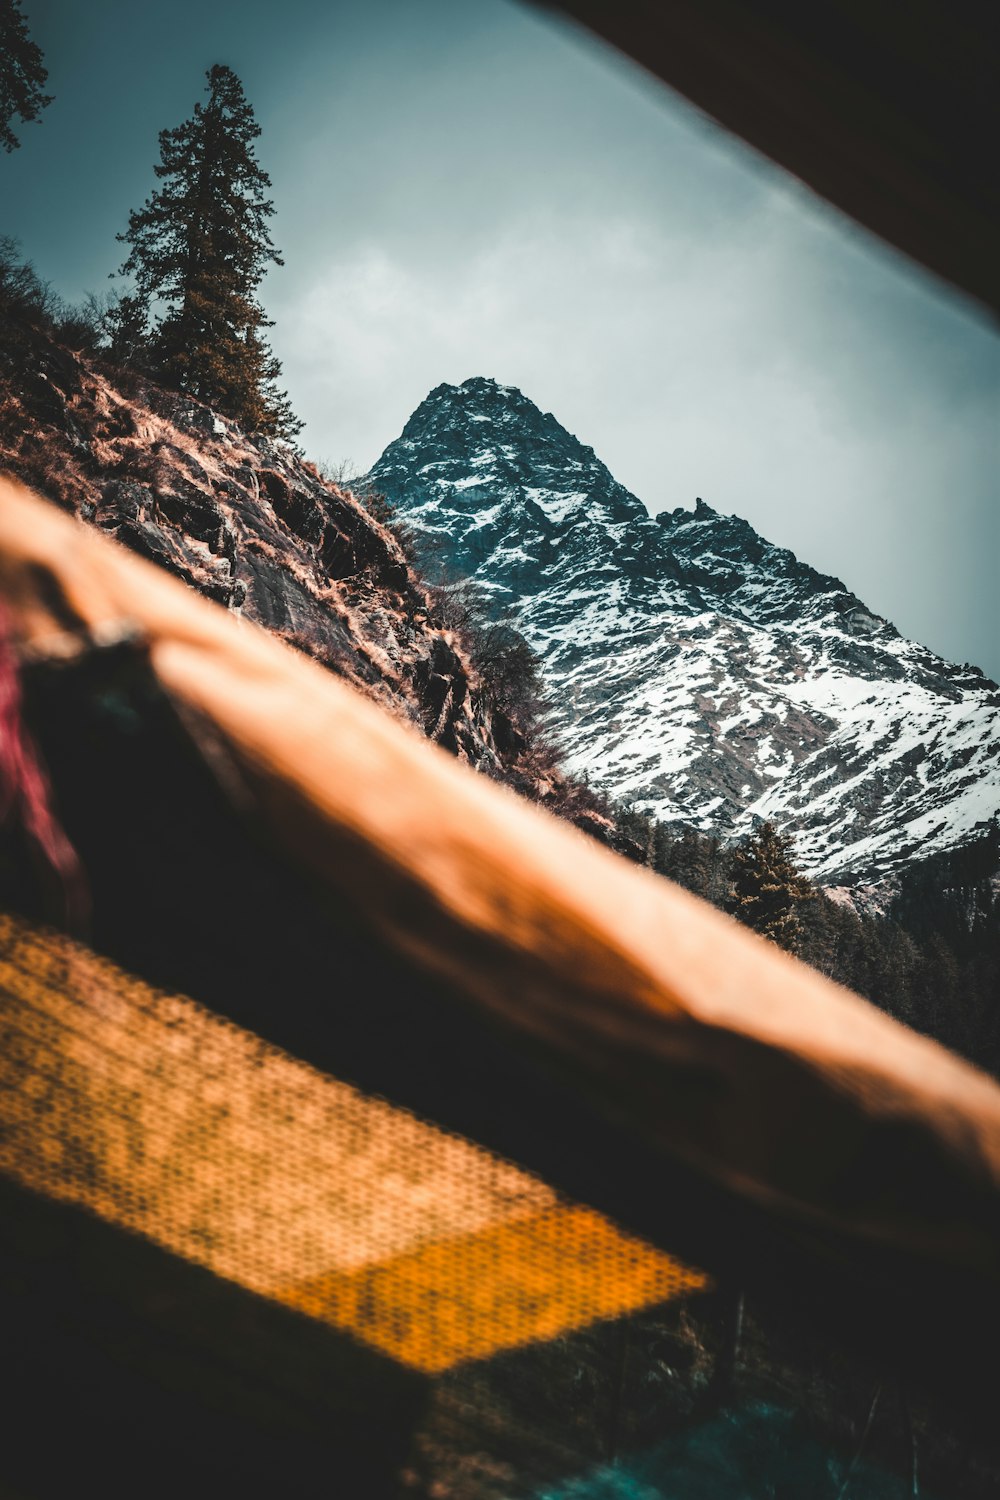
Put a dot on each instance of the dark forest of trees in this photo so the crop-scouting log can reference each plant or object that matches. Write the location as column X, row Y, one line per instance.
column 930, row 957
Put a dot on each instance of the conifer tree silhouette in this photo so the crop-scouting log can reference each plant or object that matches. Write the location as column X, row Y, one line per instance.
column 768, row 891
column 22, row 74
column 200, row 246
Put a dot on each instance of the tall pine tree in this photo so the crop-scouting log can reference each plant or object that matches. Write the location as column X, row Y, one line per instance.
column 768, row 892
column 22, row 74
column 200, row 247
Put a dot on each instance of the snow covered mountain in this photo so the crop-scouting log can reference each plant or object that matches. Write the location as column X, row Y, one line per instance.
column 693, row 667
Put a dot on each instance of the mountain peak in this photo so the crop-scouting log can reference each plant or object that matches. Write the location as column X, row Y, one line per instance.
column 477, row 389
column 488, row 385
column 481, row 442
column 473, row 408
column 693, row 667
column 486, row 394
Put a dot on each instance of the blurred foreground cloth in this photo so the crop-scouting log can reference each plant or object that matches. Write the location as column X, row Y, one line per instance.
column 467, row 954
column 384, row 1131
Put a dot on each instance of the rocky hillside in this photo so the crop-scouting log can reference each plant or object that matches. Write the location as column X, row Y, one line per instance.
column 693, row 667
column 251, row 525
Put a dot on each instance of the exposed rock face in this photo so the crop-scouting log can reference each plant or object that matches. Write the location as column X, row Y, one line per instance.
column 249, row 524
column 693, row 667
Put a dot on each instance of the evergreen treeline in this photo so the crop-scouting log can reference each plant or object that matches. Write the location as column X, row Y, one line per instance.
column 930, row 957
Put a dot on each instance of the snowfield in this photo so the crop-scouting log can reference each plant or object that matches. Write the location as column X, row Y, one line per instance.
column 694, row 668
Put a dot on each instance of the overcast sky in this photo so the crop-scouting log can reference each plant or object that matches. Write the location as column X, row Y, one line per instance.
column 466, row 188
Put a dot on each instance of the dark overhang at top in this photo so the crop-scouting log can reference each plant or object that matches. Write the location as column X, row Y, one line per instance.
column 890, row 109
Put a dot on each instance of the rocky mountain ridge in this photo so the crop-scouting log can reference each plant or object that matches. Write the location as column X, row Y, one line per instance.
column 692, row 667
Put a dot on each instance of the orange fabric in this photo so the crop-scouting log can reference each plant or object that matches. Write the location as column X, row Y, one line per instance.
column 739, row 1060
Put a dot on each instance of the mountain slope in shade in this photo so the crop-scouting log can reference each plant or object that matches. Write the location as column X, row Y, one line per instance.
column 693, row 667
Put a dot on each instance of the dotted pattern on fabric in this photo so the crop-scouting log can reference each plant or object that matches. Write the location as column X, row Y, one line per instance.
column 165, row 1120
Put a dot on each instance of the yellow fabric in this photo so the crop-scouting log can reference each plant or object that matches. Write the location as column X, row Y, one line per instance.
column 167, row 1121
